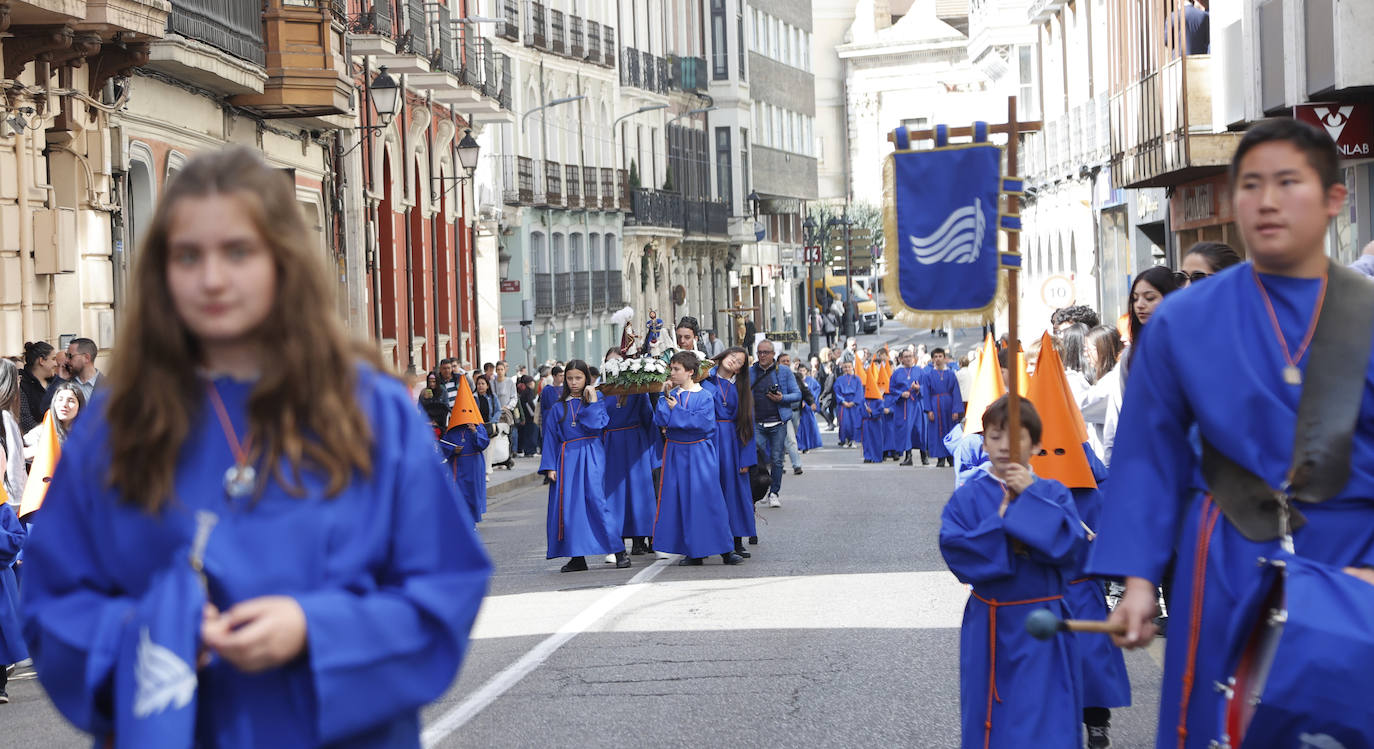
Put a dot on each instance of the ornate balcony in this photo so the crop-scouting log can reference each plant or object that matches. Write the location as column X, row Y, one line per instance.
column 306, row 72
column 535, row 27
column 557, row 32
column 553, row 183
column 572, row 185
column 577, row 48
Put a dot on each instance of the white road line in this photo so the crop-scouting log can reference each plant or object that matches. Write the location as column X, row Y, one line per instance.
column 499, row 684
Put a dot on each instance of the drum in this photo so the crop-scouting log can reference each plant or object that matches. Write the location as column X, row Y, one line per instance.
column 1301, row 660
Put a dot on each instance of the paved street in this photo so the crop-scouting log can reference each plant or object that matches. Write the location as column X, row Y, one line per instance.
column 842, row 630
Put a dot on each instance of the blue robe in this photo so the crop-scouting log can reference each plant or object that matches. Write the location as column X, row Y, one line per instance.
column 1038, row 683
column 940, row 397
column 808, row 431
column 468, row 466
column 1152, row 503
column 12, row 537
column 966, row 452
column 849, row 389
column 548, row 396
column 873, row 434
column 1105, row 680
column 733, row 455
column 388, row 572
column 692, row 517
column 580, row 520
column 631, row 444
column 905, row 411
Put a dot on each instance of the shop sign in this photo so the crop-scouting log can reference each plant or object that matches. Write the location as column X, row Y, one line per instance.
column 510, row 287
column 783, row 336
column 1350, row 125
column 1206, row 202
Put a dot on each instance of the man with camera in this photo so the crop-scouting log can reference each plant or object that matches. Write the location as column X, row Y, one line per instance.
column 775, row 394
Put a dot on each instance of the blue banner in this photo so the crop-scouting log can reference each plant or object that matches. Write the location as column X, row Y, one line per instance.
column 942, row 218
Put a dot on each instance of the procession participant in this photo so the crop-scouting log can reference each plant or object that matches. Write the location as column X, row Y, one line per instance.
column 1257, row 321
column 688, row 335
column 808, row 430
column 631, row 443
column 465, row 439
column 794, row 422
column 12, row 650
column 872, row 405
column 1147, row 292
column 1067, row 457
column 579, row 522
column 335, row 523
column 888, row 418
column 849, row 392
column 736, row 449
column 692, row 517
column 1014, row 538
column 551, row 392
column 941, row 400
column 904, row 401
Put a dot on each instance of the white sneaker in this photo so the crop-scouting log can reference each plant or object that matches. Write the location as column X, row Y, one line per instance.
column 773, row 500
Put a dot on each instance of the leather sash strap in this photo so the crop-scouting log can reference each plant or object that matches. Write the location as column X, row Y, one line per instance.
column 1332, row 389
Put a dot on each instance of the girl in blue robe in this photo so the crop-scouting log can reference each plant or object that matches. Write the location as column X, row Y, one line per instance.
column 468, row 466
column 1016, row 553
column 12, row 537
column 736, row 449
column 942, row 402
column 632, row 453
column 849, row 399
column 692, row 517
column 1153, row 502
column 809, row 430
column 340, row 577
column 580, row 520
column 873, row 441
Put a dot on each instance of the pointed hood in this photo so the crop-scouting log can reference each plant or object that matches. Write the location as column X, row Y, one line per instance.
column 988, row 386
column 464, row 407
column 44, row 463
column 1061, row 456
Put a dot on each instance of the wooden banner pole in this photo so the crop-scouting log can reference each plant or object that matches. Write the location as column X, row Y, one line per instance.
column 1013, row 293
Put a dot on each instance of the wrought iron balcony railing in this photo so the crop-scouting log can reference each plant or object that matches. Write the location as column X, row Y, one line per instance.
column 229, row 25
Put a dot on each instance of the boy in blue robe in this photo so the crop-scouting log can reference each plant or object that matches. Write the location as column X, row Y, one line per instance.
column 632, row 454
column 12, row 649
column 849, row 393
column 943, row 404
column 966, row 453
column 692, row 518
column 462, row 448
column 904, row 399
column 1248, row 321
column 552, row 392
column 874, row 439
column 1015, row 539
column 579, row 521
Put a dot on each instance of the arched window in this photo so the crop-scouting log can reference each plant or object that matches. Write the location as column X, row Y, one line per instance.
column 594, row 251
column 575, row 253
column 560, row 258
column 612, row 253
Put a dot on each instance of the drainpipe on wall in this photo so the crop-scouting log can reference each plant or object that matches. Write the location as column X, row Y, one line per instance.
column 433, row 230
column 410, row 270
column 26, row 275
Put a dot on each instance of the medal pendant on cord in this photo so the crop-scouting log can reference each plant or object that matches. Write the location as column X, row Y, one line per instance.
column 1292, row 375
column 239, row 481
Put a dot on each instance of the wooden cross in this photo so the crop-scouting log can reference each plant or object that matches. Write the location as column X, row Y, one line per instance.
column 1012, row 129
column 741, row 316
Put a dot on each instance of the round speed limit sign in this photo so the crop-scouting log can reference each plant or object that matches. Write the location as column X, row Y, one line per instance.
column 1057, row 292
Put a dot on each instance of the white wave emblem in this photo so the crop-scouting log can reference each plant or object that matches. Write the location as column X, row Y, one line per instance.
column 162, row 680
column 958, row 240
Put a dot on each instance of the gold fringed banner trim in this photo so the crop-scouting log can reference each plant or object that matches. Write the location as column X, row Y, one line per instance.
column 926, row 319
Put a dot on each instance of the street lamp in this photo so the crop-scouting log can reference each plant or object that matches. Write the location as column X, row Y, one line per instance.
column 468, row 150
column 386, row 98
column 809, row 234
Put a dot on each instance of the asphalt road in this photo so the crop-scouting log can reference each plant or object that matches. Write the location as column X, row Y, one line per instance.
column 841, row 631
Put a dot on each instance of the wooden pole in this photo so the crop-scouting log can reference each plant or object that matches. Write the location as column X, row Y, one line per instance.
column 1013, row 294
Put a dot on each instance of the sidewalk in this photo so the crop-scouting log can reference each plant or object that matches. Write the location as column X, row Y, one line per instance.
column 524, row 474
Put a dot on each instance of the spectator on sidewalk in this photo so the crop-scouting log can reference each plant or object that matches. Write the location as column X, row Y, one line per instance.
column 40, row 367
column 13, row 473
column 775, row 395
column 80, row 368
column 794, row 423
column 1365, row 263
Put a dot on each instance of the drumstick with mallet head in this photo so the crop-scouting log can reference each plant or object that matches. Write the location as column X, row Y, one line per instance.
column 1042, row 624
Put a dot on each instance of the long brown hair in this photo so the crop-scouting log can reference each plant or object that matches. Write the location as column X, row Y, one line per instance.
column 311, row 423
column 744, row 412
